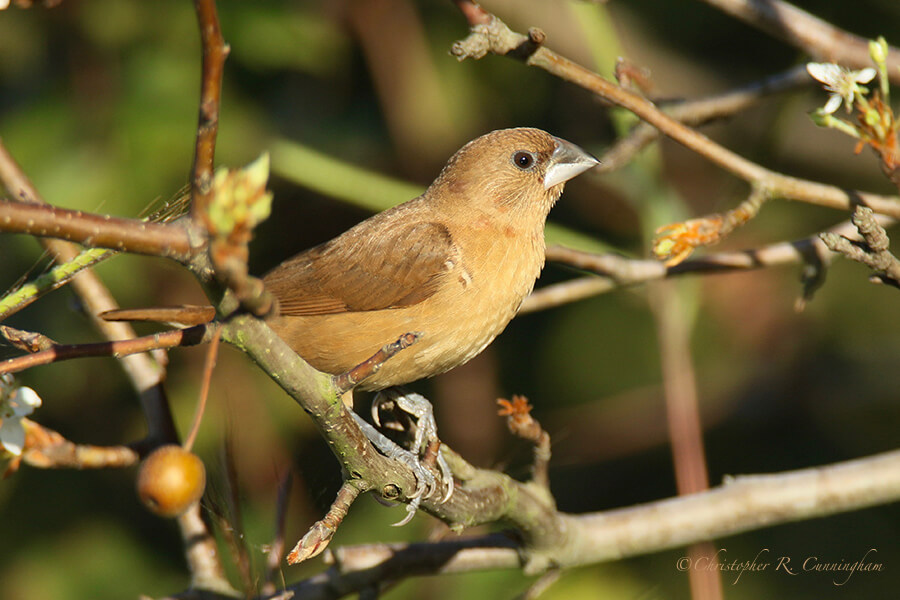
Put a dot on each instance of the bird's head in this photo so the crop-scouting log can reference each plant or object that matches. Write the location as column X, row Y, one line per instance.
column 511, row 171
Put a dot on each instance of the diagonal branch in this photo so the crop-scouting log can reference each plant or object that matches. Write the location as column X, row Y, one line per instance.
column 699, row 112
column 811, row 34
column 495, row 37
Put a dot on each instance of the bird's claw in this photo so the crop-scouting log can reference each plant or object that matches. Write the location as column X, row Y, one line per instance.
column 425, row 433
column 426, row 483
column 419, row 407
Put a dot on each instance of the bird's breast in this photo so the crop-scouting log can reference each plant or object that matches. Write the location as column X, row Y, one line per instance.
column 482, row 289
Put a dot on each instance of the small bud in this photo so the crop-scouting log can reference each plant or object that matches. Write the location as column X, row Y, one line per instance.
column 878, row 50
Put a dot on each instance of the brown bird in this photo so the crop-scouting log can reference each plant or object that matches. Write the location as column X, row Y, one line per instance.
column 452, row 265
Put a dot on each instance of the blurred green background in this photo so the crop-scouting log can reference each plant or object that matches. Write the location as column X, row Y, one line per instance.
column 98, row 103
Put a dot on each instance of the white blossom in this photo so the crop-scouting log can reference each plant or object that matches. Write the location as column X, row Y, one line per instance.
column 15, row 404
column 843, row 83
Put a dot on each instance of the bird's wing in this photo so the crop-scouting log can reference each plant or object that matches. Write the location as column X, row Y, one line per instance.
column 365, row 270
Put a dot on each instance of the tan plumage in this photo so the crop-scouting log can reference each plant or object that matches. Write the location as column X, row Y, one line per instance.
column 452, row 265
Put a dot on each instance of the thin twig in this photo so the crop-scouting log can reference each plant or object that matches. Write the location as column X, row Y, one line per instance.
column 209, row 364
column 166, row 339
column 215, row 51
column 276, row 548
column 319, row 535
column 683, row 416
column 47, row 449
column 700, row 112
column 873, row 251
column 811, row 34
column 497, row 38
column 619, row 271
column 29, row 341
column 521, row 423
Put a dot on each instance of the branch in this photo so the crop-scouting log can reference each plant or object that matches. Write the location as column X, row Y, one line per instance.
column 47, row 449
column 618, row 271
column 700, row 112
column 739, row 504
column 873, row 251
column 811, row 34
column 118, row 348
column 145, row 374
column 482, row 496
column 97, row 231
column 319, row 535
column 497, row 38
column 215, row 51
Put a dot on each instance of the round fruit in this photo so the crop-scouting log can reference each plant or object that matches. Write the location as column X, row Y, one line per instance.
column 170, row 480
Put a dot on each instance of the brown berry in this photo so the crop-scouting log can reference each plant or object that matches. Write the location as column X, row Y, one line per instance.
column 170, row 480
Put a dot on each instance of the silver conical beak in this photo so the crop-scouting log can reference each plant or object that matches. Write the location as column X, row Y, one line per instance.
column 567, row 161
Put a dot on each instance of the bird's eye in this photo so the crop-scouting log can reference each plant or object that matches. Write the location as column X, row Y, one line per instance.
column 523, row 160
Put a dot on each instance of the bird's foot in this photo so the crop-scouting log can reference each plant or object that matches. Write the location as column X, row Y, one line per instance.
column 426, row 435
column 425, row 438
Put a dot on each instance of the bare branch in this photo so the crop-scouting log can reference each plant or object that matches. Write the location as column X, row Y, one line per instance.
column 618, row 271
column 811, row 34
column 497, row 38
column 873, row 251
column 347, row 381
column 740, row 504
column 319, row 535
column 215, row 51
column 47, row 449
column 96, row 231
column 522, row 424
column 699, row 112
column 167, row 339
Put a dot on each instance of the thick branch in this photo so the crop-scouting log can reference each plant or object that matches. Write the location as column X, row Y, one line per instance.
column 97, row 231
column 482, row 497
column 741, row 504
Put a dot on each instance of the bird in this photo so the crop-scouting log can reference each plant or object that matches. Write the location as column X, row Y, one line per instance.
column 452, row 265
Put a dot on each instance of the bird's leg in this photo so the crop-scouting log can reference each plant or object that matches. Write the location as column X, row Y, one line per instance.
column 425, row 435
column 425, row 480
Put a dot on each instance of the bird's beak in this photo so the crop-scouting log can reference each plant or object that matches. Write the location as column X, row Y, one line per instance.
column 567, row 161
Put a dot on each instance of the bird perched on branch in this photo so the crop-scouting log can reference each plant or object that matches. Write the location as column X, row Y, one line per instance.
column 451, row 266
